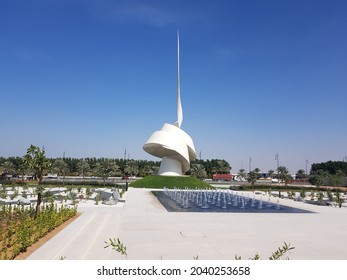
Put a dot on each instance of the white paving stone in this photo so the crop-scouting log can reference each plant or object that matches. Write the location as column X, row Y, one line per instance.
column 150, row 232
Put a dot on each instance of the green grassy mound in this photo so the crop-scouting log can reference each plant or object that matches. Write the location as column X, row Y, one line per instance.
column 159, row 182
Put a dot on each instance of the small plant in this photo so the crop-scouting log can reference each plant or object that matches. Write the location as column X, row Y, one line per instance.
column 118, row 246
column 15, row 194
column 330, row 195
column 256, row 257
column 291, row 195
column 61, row 258
column 277, row 255
column 121, row 192
column 97, row 199
column 3, row 194
column 88, row 192
column 339, row 199
column 320, row 197
column 303, row 193
column 24, row 194
column 19, row 228
column 281, row 251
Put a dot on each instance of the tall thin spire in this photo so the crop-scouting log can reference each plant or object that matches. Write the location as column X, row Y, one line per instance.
column 179, row 105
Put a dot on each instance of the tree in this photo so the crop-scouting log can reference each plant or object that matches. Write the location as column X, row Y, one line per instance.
column 131, row 168
column 300, row 174
column 83, row 167
column 332, row 167
column 7, row 168
column 283, row 174
column 61, row 168
column 242, row 174
column 106, row 168
column 252, row 177
column 270, row 173
column 147, row 170
column 336, row 179
column 257, row 170
column 198, row 171
column 318, row 178
column 221, row 167
column 36, row 160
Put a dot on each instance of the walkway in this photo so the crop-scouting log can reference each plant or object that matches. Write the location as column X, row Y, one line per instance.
column 150, row 232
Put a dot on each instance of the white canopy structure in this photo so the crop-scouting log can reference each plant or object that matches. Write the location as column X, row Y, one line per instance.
column 171, row 143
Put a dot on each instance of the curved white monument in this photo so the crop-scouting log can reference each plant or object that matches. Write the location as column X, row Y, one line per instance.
column 171, row 143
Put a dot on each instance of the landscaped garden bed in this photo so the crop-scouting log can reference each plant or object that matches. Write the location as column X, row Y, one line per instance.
column 19, row 228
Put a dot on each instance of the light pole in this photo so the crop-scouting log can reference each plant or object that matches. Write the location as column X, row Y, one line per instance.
column 278, row 161
column 306, row 162
column 249, row 164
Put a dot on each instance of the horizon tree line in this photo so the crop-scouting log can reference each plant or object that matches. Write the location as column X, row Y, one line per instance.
column 328, row 173
column 101, row 167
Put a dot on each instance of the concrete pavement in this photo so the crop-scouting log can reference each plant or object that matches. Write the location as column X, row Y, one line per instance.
column 150, row 232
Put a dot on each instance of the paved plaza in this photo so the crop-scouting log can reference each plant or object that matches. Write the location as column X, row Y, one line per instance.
column 151, row 233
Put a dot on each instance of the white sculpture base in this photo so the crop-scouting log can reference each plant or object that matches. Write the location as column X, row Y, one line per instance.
column 170, row 167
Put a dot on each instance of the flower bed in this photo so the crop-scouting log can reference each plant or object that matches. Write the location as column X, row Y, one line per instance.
column 19, row 228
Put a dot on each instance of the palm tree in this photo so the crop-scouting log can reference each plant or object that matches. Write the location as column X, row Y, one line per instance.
column 36, row 160
column 83, row 167
column 155, row 169
column 242, row 174
column 221, row 167
column 131, row 168
column 147, row 170
column 252, row 177
column 141, row 164
column 106, row 168
column 283, row 174
column 300, row 174
column 7, row 168
column 198, row 170
column 61, row 168
column 270, row 173
column 257, row 170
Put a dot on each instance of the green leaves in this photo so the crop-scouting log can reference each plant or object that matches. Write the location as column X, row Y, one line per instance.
column 277, row 255
column 117, row 245
column 106, row 168
column 252, row 177
column 198, row 170
column 281, row 251
column 19, row 228
column 36, row 160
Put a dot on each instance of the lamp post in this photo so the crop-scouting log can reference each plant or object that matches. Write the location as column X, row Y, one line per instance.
column 306, row 162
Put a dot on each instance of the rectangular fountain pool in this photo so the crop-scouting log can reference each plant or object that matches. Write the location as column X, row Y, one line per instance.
column 218, row 202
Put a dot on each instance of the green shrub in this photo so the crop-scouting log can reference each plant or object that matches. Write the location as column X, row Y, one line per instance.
column 20, row 228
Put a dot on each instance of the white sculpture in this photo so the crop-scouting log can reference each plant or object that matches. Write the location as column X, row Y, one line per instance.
column 171, row 143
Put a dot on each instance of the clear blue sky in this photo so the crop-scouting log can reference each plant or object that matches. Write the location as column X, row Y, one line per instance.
column 258, row 78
